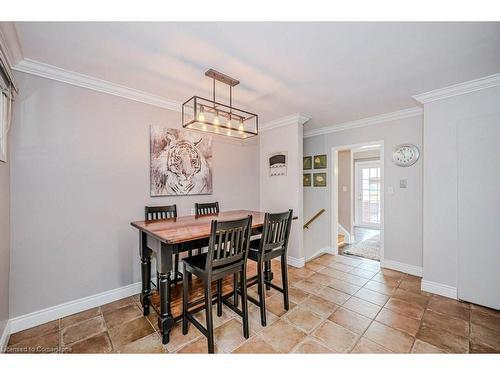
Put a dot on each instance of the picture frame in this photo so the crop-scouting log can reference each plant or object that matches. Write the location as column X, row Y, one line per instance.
column 320, row 161
column 307, row 162
column 319, row 179
column 306, row 180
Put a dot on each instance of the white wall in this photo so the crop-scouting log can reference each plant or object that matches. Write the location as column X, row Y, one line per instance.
column 345, row 198
column 4, row 243
column 403, row 208
column 79, row 176
column 443, row 148
column 280, row 193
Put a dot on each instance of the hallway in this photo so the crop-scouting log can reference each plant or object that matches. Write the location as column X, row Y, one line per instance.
column 366, row 244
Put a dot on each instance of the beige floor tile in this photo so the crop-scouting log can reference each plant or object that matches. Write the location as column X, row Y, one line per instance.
column 350, row 320
column 320, row 306
column 485, row 310
column 392, row 273
column 122, row 315
column 448, row 323
column 297, row 295
column 229, row 335
column 411, row 285
column 178, row 340
column 365, row 346
column 79, row 317
column 363, row 273
column 353, row 262
column 301, row 272
column 422, row 347
column 98, row 344
column 450, row 307
column 369, row 266
column 312, row 346
column 150, row 344
column 356, row 280
column 390, row 338
column 275, row 305
column 282, row 336
column 340, row 267
column 332, row 272
column 418, row 298
column 255, row 321
column 372, row 296
column 335, row 336
column 365, row 308
column 129, row 332
column 200, row 346
column 82, row 330
column 483, row 335
column 398, row 321
column 117, row 304
column 332, row 295
column 344, row 286
column 314, row 266
column 479, row 348
column 321, row 279
column 485, row 319
column 443, row 339
column 380, row 287
column 303, row 319
column 34, row 332
column 409, row 309
column 308, row 286
column 255, row 345
column 384, row 279
column 47, row 343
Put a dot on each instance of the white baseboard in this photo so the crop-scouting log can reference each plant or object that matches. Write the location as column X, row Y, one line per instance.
column 324, row 250
column 402, row 267
column 345, row 232
column 4, row 339
column 440, row 289
column 296, row 262
column 36, row 318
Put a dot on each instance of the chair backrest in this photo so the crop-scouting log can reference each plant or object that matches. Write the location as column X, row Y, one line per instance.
column 206, row 208
column 160, row 212
column 229, row 242
column 276, row 231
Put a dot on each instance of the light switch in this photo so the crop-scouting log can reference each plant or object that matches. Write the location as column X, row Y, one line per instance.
column 403, row 184
column 390, row 190
column 344, row 188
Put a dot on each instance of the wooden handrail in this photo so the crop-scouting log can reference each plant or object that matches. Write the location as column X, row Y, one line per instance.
column 306, row 225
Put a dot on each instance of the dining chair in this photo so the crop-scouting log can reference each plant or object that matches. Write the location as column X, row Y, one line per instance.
column 272, row 244
column 206, row 208
column 227, row 255
column 162, row 213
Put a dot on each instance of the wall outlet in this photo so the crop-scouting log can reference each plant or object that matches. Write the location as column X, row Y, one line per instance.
column 403, row 184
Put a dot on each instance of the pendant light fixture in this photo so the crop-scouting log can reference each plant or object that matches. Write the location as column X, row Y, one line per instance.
column 211, row 116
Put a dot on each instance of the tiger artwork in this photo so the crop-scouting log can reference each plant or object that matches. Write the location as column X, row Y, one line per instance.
column 181, row 162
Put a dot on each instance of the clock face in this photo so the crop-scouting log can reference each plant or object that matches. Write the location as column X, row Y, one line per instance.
column 405, row 155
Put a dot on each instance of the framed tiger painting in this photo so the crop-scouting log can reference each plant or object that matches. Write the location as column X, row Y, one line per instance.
column 181, row 162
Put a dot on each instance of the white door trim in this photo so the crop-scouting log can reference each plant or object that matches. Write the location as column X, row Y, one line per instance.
column 334, row 197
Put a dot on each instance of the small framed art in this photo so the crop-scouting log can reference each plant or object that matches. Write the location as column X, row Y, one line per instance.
column 307, row 179
column 319, row 179
column 307, row 162
column 319, row 161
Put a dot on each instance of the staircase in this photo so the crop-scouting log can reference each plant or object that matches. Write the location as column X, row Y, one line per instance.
column 340, row 240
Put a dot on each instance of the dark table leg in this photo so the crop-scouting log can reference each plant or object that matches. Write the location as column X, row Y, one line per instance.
column 165, row 320
column 268, row 274
column 145, row 254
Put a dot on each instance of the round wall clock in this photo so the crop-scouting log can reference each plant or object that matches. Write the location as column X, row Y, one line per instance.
column 405, row 155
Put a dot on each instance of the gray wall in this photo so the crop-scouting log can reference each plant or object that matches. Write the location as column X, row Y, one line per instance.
column 80, row 174
column 345, row 198
column 403, row 209
column 445, row 120
column 4, row 243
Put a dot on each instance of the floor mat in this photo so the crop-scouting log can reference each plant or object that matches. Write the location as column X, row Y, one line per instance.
column 369, row 248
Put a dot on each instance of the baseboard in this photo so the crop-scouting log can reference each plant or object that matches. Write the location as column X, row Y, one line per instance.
column 4, row 339
column 324, row 250
column 347, row 235
column 36, row 318
column 402, row 267
column 296, row 262
column 440, row 289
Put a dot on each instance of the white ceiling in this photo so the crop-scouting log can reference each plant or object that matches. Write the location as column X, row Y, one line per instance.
column 335, row 72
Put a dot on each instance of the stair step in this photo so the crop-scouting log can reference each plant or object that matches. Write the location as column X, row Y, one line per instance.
column 340, row 240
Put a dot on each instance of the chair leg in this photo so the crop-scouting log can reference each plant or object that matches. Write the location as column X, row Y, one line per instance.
column 244, row 304
column 176, row 268
column 208, row 313
column 219, row 297
column 284, row 279
column 185, row 301
column 262, row 294
column 235, row 289
column 267, row 271
column 190, row 276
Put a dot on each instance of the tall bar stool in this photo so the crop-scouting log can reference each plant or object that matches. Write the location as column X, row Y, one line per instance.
column 272, row 244
column 162, row 213
column 206, row 208
column 227, row 255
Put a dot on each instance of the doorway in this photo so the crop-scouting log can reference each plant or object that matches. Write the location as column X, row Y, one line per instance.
column 362, row 232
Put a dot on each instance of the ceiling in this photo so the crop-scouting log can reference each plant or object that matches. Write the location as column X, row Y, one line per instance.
column 334, row 72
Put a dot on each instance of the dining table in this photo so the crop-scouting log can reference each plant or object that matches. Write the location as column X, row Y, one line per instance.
column 166, row 237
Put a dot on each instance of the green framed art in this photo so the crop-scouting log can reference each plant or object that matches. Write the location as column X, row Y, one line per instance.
column 307, row 162
column 319, row 179
column 306, row 181
column 319, row 161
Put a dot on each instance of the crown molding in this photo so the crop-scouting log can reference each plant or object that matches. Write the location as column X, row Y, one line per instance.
column 459, row 89
column 10, row 49
column 295, row 119
column 368, row 121
column 81, row 80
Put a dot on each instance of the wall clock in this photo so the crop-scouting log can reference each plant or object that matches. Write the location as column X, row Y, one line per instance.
column 405, row 155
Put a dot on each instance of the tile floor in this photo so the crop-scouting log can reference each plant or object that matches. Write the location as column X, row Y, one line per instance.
column 339, row 304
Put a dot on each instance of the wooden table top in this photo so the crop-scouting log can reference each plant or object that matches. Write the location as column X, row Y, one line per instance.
column 188, row 228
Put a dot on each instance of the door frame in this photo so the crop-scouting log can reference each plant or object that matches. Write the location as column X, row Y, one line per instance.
column 334, row 193
column 355, row 181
